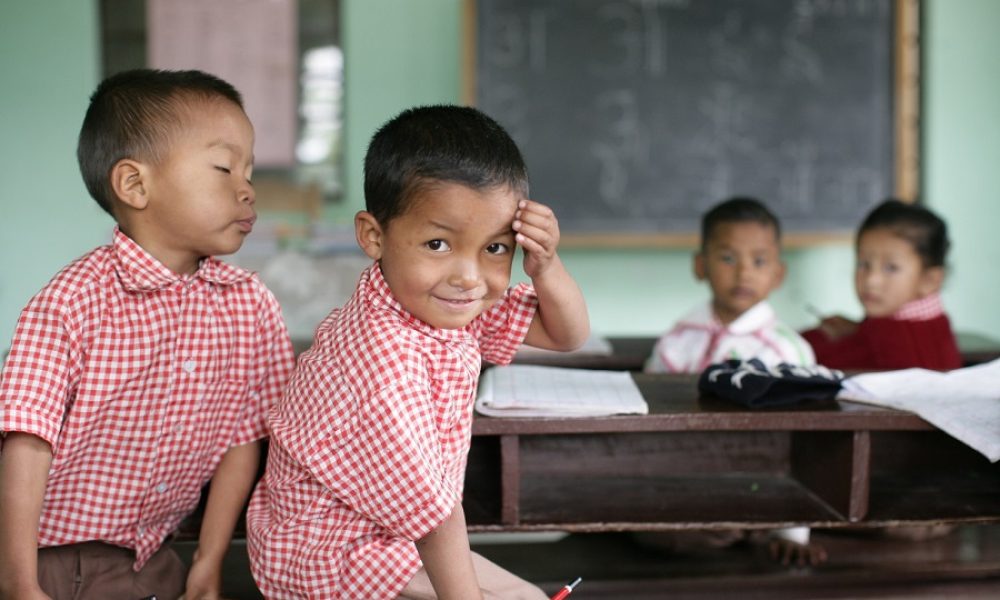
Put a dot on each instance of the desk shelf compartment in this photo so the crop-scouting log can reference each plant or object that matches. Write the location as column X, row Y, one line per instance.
column 928, row 477
column 650, row 481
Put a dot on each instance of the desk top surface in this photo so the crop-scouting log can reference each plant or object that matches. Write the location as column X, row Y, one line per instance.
column 675, row 404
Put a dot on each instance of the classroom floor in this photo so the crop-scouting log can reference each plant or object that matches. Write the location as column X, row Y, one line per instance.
column 963, row 565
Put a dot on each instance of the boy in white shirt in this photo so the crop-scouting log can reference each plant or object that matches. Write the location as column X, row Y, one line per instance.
column 740, row 257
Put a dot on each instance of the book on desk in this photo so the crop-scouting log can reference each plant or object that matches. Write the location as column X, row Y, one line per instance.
column 539, row 391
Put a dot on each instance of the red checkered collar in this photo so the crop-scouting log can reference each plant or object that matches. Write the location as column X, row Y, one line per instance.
column 140, row 271
column 924, row 309
column 380, row 296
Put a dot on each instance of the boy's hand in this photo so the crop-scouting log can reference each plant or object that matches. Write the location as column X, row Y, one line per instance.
column 837, row 327
column 204, row 581
column 537, row 230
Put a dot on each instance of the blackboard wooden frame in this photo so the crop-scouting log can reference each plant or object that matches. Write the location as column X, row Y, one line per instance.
column 906, row 126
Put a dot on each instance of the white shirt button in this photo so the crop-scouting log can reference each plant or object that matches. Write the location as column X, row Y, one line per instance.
column 162, row 487
column 188, row 366
column 178, row 428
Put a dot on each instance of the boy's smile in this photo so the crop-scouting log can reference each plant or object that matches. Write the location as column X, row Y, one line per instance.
column 447, row 258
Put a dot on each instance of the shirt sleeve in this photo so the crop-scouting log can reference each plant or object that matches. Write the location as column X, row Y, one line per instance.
column 502, row 329
column 383, row 458
column 39, row 372
column 274, row 347
column 849, row 352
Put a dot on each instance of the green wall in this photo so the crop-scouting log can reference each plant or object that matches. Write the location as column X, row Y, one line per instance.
column 402, row 53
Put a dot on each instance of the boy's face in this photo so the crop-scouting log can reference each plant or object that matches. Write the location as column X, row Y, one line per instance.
column 742, row 263
column 200, row 200
column 447, row 257
column 889, row 273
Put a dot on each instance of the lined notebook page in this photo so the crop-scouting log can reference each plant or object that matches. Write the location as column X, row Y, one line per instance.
column 538, row 391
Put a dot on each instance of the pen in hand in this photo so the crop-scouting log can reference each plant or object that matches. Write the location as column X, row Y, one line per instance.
column 566, row 589
column 815, row 311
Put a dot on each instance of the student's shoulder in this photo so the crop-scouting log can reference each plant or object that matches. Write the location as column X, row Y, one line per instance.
column 695, row 321
column 79, row 280
column 359, row 342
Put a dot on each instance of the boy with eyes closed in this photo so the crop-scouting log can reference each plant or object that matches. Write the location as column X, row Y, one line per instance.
column 144, row 369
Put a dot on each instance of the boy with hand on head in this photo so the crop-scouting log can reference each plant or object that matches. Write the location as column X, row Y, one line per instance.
column 143, row 369
column 362, row 496
column 740, row 257
column 901, row 251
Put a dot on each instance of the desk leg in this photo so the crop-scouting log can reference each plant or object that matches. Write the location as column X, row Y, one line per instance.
column 836, row 466
column 510, row 479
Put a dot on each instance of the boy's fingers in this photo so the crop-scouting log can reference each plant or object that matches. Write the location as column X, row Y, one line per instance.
column 535, row 234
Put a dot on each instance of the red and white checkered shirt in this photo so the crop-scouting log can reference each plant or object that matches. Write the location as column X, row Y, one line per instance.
column 140, row 380
column 369, row 444
column 923, row 309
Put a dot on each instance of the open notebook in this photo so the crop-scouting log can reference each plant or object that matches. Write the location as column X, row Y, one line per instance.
column 535, row 391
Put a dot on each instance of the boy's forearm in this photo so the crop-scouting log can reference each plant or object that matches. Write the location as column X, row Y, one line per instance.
column 562, row 310
column 24, row 472
column 448, row 560
column 231, row 485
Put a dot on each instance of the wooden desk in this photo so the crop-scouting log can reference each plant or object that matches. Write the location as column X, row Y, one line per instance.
column 704, row 463
column 630, row 354
column 627, row 354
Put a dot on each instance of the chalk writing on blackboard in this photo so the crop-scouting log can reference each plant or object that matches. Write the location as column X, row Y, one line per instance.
column 637, row 115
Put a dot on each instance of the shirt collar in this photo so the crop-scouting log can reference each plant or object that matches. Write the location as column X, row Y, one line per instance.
column 924, row 309
column 380, row 297
column 140, row 271
column 756, row 317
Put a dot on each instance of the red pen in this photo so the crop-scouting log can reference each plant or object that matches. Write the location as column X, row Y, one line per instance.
column 566, row 589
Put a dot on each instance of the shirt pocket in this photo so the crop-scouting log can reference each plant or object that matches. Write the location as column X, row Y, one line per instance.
column 223, row 410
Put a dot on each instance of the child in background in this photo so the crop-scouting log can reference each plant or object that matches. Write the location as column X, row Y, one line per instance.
column 740, row 257
column 362, row 493
column 143, row 369
column 901, row 251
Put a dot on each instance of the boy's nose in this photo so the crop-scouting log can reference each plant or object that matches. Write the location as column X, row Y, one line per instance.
column 465, row 275
column 246, row 194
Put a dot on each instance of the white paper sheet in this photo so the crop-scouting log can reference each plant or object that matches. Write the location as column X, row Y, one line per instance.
column 965, row 403
column 536, row 391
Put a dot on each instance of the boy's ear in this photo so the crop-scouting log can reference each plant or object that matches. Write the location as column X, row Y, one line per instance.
column 369, row 234
column 129, row 184
column 931, row 281
column 700, row 273
column 780, row 277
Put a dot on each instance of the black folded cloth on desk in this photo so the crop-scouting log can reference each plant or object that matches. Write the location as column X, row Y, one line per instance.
column 753, row 384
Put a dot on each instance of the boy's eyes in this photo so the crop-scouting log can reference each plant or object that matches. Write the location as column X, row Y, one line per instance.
column 495, row 248
column 223, row 169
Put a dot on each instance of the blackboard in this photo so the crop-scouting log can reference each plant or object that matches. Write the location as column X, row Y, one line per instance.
column 635, row 116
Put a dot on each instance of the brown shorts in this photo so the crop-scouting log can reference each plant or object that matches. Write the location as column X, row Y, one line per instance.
column 97, row 571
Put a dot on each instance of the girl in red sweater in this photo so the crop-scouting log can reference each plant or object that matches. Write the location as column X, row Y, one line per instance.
column 901, row 252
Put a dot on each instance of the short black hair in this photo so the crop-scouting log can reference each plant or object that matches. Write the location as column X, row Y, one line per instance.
column 132, row 114
column 739, row 209
column 429, row 144
column 918, row 225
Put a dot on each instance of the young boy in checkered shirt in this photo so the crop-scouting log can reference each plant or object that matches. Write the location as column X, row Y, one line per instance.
column 363, row 488
column 143, row 369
